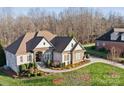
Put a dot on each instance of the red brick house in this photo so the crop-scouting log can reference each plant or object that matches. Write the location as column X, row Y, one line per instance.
column 113, row 38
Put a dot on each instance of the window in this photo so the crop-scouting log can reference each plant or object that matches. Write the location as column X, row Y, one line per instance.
column 43, row 43
column 66, row 57
column 21, row 59
column 29, row 58
column 78, row 56
column 72, row 45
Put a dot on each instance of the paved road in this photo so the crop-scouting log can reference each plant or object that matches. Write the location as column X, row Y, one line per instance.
column 93, row 60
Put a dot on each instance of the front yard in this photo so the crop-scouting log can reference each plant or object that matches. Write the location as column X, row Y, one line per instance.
column 94, row 74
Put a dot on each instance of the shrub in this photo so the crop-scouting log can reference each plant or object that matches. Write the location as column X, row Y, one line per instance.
column 35, row 65
column 27, row 66
column 93, row 47
column 39, row 74
column 35, row 74
column 31, row 65
column 48, row 63
column 22, row 68
column 29, row 75
column 103, row 50
column 87, row 56
column 62, row 65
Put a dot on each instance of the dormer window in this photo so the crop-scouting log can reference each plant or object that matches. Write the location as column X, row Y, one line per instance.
column 43, row 43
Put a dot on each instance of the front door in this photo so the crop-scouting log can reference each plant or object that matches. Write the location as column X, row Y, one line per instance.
column 39, row 56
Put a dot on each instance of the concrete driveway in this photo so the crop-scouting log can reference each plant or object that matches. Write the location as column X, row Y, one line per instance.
column 102, row 60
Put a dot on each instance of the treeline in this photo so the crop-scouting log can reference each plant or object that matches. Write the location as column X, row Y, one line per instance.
column 86, row 24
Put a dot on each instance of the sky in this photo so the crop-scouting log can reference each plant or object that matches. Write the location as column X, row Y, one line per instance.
column 24, row 11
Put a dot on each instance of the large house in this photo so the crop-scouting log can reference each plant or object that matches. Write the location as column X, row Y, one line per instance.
column 112, row 39
column 43, row 46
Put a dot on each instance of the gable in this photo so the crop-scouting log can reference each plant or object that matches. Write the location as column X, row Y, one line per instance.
column 60, row 43
column 78, row 47
column 69, row 46
column 43, row 44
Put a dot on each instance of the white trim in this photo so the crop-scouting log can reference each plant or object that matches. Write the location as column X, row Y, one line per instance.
column 69, row 47
column 41, row 44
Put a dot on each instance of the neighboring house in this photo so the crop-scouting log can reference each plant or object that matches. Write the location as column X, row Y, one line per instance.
column 112, row 39
column 43, row 46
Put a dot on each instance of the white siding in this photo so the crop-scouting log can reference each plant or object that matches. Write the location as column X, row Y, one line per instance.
column 11, row 61
column 41, row 44
column 78, row 47
column 57, row 57
column 67, row 62
column 69, row 47
column 25, row 60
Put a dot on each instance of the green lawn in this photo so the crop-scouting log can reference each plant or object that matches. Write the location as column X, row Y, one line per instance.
column 95, row 74
column 90, row 48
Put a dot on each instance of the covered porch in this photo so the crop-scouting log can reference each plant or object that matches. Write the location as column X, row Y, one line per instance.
column 42, row 55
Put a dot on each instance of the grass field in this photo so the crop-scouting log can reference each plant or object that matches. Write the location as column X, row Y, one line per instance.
column 95, row 74
column 90, row 48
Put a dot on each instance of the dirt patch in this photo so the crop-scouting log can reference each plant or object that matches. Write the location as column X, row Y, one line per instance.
column 58, row 81
column 85, row 77
column 113, row 74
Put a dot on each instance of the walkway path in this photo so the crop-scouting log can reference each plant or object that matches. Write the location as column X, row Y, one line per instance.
column 60, row 71
column 93, row 60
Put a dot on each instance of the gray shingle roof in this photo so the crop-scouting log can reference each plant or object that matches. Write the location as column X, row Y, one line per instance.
column 30, row 40
column 31, row 44
column 60, row 43
column 107, row 36
column 15, row 45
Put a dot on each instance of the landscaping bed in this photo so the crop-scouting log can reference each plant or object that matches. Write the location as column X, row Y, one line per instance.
column 71, row 65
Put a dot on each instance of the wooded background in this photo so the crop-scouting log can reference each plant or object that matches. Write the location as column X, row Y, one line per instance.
column 86, row 24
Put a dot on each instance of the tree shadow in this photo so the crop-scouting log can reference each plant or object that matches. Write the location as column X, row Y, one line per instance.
column 2, row 56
